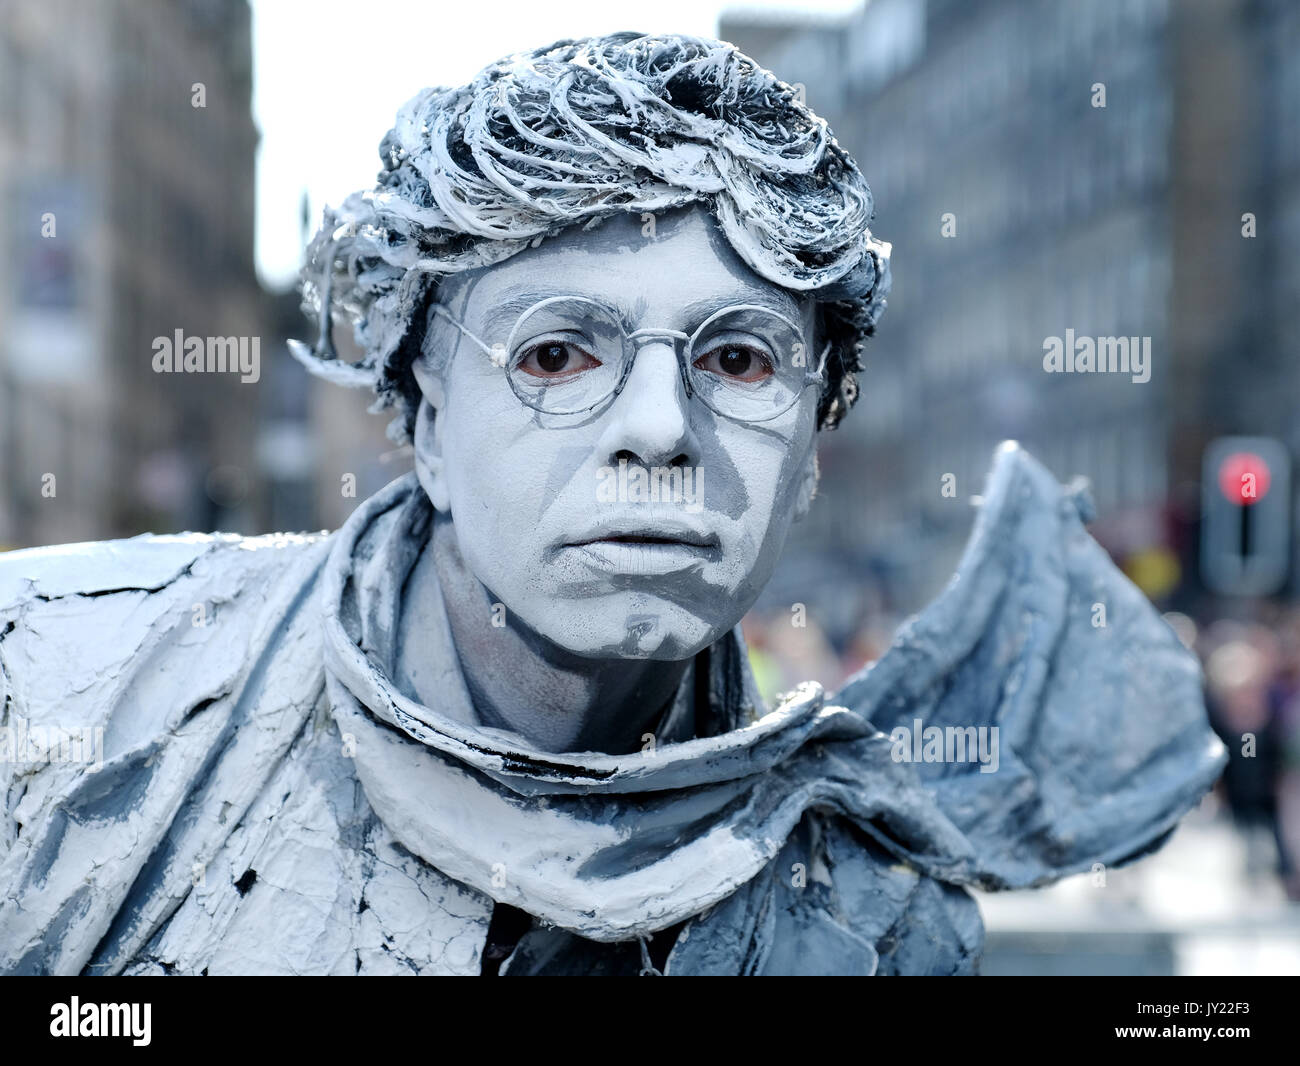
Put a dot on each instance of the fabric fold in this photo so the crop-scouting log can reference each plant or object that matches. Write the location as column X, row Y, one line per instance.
column 817, row 836
column 1100, row 734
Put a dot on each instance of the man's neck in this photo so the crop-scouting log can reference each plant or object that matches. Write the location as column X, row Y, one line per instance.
column 520, row 681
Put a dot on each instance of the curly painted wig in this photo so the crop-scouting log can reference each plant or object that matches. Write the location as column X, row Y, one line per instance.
column 571, row 134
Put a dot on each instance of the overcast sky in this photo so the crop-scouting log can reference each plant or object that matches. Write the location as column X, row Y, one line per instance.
column 329, row 75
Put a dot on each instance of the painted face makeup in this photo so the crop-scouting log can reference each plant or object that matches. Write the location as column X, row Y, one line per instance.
column 646, row 527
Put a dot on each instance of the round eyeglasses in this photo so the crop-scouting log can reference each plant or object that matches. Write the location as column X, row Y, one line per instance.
column 568, row 355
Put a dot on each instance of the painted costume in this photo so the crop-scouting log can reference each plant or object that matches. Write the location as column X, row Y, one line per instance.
column 271, row 802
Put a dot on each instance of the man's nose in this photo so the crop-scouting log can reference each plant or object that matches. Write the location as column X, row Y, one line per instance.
column 649, row 421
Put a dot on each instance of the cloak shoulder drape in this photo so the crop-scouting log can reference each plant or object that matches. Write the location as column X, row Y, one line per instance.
column 269, row 801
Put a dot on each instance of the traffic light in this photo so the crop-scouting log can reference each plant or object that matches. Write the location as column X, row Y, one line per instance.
column 1246, row 516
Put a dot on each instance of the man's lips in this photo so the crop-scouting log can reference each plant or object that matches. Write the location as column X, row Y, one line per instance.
column 646, row 549
column 644, row 530
column 688, row 540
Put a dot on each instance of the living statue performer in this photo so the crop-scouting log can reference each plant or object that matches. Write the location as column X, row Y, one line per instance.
column 501, row 722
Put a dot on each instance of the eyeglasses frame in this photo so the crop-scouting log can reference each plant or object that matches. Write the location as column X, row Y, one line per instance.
column 498, row 355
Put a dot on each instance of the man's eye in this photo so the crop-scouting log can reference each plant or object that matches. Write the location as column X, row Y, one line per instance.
column 739, row 362
column 555, row 359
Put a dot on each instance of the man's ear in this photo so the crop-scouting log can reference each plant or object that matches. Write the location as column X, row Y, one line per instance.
column 428, row 435
column 807, row 485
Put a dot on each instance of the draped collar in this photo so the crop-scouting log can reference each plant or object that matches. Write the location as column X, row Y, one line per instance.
column 616, row 846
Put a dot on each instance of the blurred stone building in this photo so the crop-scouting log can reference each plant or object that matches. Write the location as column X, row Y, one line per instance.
column 1020, row 208
column 323, row 450
column 126, row 164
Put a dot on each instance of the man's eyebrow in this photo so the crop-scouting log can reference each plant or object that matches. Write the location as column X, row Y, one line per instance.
column 518, row 299
column 696, row 311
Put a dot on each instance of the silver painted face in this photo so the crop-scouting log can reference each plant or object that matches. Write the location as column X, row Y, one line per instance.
column 645, row 528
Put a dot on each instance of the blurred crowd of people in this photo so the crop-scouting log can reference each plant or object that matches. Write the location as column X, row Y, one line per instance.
column 1252, row 690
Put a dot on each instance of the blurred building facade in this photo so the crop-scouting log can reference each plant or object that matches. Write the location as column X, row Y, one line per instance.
column 1020, row 207
column 126, row 162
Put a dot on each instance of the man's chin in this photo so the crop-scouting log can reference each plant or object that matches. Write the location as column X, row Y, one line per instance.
column 668, row 635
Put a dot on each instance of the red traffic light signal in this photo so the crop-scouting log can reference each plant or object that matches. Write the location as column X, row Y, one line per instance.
column 1246, row 516
column 1244, row 478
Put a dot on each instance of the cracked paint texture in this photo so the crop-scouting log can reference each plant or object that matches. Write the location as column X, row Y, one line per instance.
column 233, row 828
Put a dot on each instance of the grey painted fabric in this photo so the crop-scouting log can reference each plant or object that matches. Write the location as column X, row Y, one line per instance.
column 270, row 801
